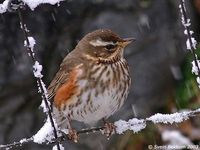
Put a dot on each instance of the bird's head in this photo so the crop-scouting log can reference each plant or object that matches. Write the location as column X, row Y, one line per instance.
column 103, row 45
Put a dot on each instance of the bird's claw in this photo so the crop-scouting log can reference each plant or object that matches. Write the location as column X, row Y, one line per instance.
column 73, row 135
column 109, row 129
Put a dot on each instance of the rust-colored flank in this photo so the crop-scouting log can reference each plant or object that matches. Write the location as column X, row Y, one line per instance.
column 67, row 90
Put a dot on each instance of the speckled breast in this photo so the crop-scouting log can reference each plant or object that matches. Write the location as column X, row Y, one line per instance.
column 102, row 91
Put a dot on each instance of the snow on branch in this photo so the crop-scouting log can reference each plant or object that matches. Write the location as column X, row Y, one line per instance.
column 4, row 6
column 32, row 4
column 122, row 126
column 37, row 69
column 169, row 118
column 191, row 42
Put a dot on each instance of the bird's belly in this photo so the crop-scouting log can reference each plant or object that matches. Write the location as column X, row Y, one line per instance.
column 100, row 96
column 104, row 96
column 101, row 106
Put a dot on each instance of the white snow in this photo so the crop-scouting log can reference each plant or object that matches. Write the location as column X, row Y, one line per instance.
column 31, row 3
column 4, row 6
column 198, row 80
column 23, row 140
column 194, row 67
column 37, row 68
column 169, row 118
column 55, row 147
column 136, row 125
column 174, row 137
column 44, row 89
column 45, row 134
column 187, row 23
column 121, row 126
column 43, row 105
column 190, row 42
column 186, row 33
column 34, row 3
column 31, row 42
column 132, row 124
column 194, row 43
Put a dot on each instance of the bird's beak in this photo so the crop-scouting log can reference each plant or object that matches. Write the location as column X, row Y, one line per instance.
column 127, row 41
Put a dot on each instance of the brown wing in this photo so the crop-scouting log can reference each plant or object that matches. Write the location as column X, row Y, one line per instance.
column 60, row 78
column 63, row 76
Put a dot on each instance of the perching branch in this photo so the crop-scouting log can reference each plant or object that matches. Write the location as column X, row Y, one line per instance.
column 134, row 125
column 56, row 140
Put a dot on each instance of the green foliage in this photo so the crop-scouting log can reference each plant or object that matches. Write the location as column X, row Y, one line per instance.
column 187, row 88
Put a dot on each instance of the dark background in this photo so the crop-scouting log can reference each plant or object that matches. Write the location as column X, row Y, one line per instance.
column 155, row 59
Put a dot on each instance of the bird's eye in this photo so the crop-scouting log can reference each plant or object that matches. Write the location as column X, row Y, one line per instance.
column 110, row 46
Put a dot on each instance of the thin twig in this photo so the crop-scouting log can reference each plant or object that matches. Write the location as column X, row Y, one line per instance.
column 39, row 80
column 16, row 144
column 56, row 140
column 83, row 131
column 189, row 36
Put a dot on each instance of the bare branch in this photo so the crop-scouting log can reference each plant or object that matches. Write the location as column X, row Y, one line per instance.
column 186, row 24
column 56, row 140
column 39, row 79
column 120, row 127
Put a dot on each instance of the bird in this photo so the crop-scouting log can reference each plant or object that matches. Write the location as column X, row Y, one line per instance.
column 93, row 81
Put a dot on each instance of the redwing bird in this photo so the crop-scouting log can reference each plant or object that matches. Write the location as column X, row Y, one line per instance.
column 93, row 80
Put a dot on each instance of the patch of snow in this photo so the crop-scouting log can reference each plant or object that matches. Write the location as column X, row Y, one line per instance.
column 187, row 23
column 31, row 3
column 194, row 67
column 194, row 43
column 186, row 33
column 134, row 124
column 55, row 147
column 23, row 140
column 34, row 3
column 43, row 106
column 121, row 126
column 191, row 42
column 4, row 6
column 169, row 118
column 174, row 137
column 31, row 44
column 37, row 68
column 45, row 134
column 198, row 80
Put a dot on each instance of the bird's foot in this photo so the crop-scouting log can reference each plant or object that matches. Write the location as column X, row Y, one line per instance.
column 109, row 129
column 71, row 134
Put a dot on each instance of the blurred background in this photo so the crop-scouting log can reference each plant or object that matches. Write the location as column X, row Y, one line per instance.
column 159, row 63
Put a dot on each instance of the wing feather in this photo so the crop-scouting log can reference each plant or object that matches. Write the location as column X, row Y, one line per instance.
column 62, row 76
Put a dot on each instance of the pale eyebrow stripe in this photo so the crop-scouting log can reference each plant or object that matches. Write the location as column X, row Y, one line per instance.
column 100, row 42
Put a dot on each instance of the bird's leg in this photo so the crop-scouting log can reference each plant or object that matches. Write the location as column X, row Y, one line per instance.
column 109, row 128
column 72, row 134
column 66, row 129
